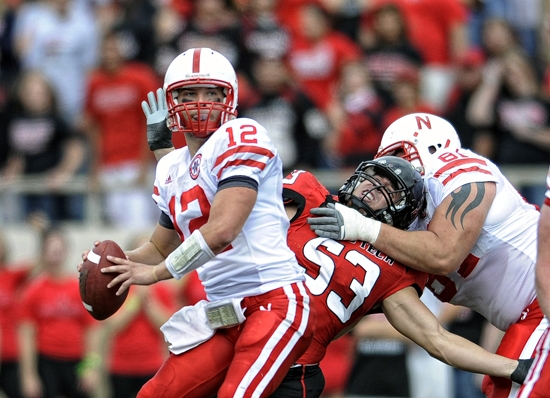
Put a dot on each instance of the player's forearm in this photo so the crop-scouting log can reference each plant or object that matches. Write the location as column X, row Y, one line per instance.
column 421, row 250
column 463, row 354
column 146, row 254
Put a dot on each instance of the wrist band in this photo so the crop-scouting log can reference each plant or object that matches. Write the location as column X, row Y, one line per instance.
column 188, row 256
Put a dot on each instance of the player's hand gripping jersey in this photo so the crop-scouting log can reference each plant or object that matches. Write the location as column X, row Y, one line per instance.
column 347, row 280
column 258, row 260
column 496, row 279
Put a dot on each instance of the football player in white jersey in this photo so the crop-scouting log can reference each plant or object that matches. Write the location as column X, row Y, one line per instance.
column 537, row 384
column 478, row 238
column 221, row 196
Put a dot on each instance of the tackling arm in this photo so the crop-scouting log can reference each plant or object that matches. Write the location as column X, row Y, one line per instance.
column 412, row 318
column 452, row 231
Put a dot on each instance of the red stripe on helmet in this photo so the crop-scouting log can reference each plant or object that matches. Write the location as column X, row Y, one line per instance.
column 196, row 60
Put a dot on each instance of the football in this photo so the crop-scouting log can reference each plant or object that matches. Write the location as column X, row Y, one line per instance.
column 100, row 301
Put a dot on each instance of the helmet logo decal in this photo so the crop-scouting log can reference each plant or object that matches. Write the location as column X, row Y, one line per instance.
column 196, row 60
column 447, row 143
column 426, row 122
column 195, row 167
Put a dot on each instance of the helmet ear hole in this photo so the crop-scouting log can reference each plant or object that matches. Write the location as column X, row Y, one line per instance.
column 432, row 149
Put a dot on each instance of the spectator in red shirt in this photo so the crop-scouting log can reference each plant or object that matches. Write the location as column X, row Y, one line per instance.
column 114, row 120
column 135, row 347
column 406, row 92
column 13, row 278
column 438, row 29
column 318, row 55
column 356, row 117
column 387, row 48
column 56, row 333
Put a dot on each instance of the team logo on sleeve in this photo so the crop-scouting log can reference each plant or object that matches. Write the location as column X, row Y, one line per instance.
column 195, row 167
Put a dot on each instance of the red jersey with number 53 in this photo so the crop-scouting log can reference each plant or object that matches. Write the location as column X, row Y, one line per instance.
column 497, row 279
column 258, row 260
column 346, row 280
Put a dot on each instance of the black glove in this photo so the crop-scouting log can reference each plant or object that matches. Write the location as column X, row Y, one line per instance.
column 521, row 371
column 159, row 135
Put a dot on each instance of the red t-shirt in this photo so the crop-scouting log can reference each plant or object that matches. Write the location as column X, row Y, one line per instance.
column 55, row 308
column 12, row 281
column 346, row 279
column 139, row 348
column 317, row 66
column 114, row 102
column 429, row 23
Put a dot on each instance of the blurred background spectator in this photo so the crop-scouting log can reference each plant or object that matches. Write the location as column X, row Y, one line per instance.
column 407, row 97
column 318, row 53
column 58, row 338
column 61, row 40
column 438, row 29
column 41, row 144
column 356, row 116
column 508, row 102
column 295, row 125
column 13, row 278
column 380, row 361
column 263, row 35
column 468, row 78
column 388, row 50
column 135, row 347
column 121, row 164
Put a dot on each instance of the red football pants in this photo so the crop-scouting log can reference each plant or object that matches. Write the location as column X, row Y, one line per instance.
column 518, row 342
column 248, row 360
column 537, row 384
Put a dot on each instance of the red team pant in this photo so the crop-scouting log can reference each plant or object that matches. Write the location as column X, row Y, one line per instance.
column 537, row 384
column 248, row 360
column 519, row 342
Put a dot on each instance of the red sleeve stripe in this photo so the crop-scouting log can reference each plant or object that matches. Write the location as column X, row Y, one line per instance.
column 242, row 162
column 172, row 207
column 461, row 171
column 458, row 163
column 547, row 201
column 244, row 149
column 156, row 190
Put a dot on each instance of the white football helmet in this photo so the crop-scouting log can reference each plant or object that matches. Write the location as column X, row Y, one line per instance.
column 419, row 138
column 200, row 67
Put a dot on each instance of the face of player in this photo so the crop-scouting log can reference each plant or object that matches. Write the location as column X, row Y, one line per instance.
column 372, row 197
column 205, row 96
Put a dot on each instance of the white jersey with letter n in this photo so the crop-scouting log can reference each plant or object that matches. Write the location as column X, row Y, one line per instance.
column 496, row 279
column 258, row 260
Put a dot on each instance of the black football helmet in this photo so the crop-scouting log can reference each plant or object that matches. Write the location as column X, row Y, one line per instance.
column 405, row 180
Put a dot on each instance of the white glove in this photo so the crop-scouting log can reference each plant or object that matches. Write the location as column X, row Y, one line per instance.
column 343, row 223
column 159, row 135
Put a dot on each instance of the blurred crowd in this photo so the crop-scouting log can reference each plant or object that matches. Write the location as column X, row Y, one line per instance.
column 51, row 347
column 325, row 77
